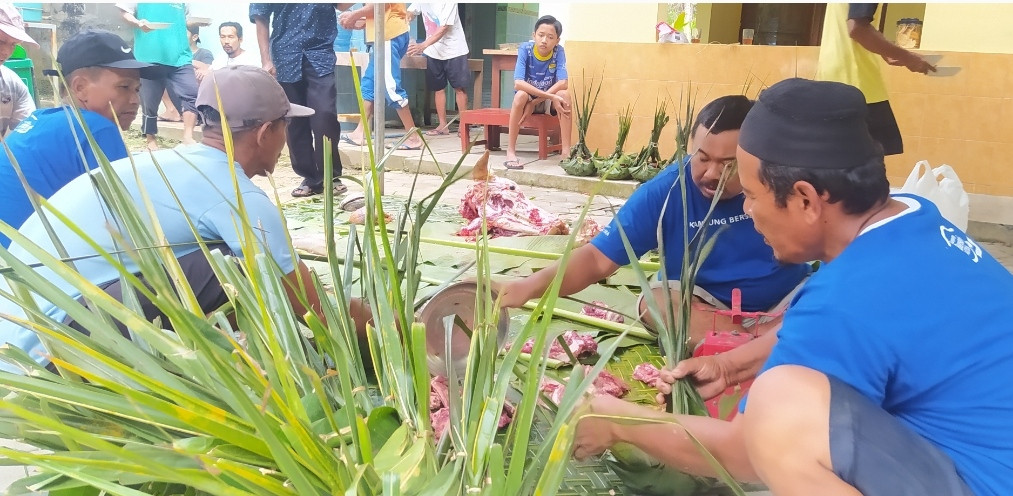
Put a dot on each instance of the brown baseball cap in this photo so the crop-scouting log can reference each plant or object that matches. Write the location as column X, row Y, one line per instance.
column 13, row 25
column 250, row 96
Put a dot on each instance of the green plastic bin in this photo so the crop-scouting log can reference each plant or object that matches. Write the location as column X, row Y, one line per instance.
column 26, row 71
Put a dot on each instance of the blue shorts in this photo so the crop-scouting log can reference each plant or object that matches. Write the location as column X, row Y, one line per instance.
column 880, row 456
column 394, row 51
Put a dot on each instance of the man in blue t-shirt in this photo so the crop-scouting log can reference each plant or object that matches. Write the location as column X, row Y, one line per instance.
column 890, row 373
column 49, row 146
column 202, row 199
column 540, row 81
column 740, row 258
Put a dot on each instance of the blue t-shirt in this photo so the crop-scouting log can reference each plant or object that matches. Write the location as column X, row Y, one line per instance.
column 50, row 157
column 200, row 176
column 740, row 258
column 917, row 317
column 540, row 73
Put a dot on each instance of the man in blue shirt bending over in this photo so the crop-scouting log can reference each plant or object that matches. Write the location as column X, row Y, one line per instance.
column 891, row 371
column 50, row 146
column 740, row 258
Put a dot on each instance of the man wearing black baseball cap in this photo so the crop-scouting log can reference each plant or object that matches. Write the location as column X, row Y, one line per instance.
column 205, row 188
column 891, row 371
column 102, row 78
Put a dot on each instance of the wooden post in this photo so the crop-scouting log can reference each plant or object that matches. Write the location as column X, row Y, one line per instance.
column 379, row 86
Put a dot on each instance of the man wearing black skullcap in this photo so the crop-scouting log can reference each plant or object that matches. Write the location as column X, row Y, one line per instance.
column 890, row 374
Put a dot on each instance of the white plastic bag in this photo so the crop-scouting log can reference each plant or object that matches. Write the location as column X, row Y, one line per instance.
column 942, row 187
column 668, row 34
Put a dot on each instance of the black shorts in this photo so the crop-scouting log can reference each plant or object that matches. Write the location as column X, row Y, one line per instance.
column 883, row 128
column 203, row 281
column 880, row 456
column 440, row 72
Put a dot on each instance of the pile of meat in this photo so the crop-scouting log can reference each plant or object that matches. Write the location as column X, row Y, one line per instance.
column 508, row 212
column 439, row 407
column 580, row 345
column 604, row 384
column 600, row 310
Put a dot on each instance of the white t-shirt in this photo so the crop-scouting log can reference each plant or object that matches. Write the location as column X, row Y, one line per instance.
column 453, row 43
column 15, row 101
column 248, row 57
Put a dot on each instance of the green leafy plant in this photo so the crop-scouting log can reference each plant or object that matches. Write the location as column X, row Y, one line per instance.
column 648, row 162
column 616, row 166
column 579, row 162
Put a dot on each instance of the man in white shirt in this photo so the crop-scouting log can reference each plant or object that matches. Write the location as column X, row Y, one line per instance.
column 447, row 50
column 230, row 34
column 16, row 102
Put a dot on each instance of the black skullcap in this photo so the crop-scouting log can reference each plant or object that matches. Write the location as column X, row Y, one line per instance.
column 812, row 124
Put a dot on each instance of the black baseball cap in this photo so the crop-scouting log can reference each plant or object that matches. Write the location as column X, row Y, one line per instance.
column 96, row 48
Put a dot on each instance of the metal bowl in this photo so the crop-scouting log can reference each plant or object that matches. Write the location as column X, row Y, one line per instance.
column 459, row 299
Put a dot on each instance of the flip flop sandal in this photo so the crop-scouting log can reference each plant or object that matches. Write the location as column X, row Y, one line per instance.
column 513, row 165
column 304, row 191
column 339, row 189
column 404, row 146
column 345, row 139
column 438, row 132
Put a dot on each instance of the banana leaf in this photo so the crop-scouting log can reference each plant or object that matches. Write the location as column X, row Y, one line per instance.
column 644, row 476
column 577, row 166
column 612, row 169
column 644, row 172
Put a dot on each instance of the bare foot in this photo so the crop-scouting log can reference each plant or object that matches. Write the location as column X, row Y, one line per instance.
column 352, row 138
column 188, row 141
column 152, row 143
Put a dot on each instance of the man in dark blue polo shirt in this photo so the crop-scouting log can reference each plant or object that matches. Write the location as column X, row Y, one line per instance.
column 296, row 46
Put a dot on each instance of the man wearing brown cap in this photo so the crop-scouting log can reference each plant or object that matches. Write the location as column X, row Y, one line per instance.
column 202, row 181
column 16, row 102
column 50, row 146
column 891, row 371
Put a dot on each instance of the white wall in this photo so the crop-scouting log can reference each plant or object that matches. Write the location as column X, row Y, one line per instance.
column 559, row 10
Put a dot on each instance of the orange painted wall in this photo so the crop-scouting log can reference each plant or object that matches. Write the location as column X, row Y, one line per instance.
column 965, row 120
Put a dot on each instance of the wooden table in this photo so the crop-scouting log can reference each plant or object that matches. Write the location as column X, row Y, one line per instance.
column 419, row 62
column 502, row 60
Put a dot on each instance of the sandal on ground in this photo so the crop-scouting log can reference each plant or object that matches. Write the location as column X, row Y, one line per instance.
column 305, row 190
column 339, row 188
column 438, row 132
column 513, row 165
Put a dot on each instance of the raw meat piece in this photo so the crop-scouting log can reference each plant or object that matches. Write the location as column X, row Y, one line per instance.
column 598, row 309
column 579, row 344
column 439, row 407
column 553, row 389
column 440, row 420
column 588, row 230
column 646, row 373
column 439, row 393
column 507, row 416
column 604, row 384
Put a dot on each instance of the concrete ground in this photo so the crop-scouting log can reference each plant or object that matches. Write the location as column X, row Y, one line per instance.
column 543, row 181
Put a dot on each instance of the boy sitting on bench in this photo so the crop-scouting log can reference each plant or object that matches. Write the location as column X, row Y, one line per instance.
column 540, row 84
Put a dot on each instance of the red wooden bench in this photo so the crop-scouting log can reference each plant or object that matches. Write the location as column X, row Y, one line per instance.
column 497, row 120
